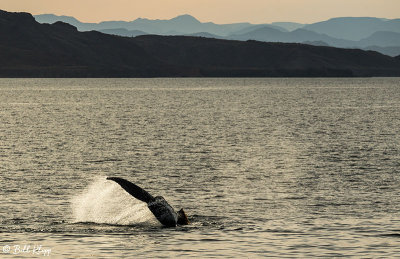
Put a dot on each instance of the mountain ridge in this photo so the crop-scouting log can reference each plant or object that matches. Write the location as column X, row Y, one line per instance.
column 31, row 49
column 349, row 32
column 354, row 28
column 287, row 26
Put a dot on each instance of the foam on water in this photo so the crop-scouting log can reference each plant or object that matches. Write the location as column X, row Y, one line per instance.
column 106, row 202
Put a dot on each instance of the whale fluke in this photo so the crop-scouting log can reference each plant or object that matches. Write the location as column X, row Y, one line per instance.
column 133, row 189
column 157, row 205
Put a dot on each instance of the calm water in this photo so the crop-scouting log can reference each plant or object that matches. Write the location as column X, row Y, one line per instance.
column 263, row 167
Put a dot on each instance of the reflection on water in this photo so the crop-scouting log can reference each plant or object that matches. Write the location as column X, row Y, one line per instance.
column 263, row 167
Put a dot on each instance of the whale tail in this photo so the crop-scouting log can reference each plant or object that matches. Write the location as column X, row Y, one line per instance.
column 133, row 189
column 157, row 205
column 182, row 218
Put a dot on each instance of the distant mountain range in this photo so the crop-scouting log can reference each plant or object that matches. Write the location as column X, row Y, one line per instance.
column 31, row 49
column 184, row 24
column 354, row 28
column 368, row 33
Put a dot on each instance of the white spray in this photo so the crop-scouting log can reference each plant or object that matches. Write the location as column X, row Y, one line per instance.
column 106, row 202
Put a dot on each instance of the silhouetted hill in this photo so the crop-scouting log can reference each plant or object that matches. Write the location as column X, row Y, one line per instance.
column 316, row 43
column 123, row 32
column 30, row 49
column 266, row 58
column 390, row 51
column 33, row 49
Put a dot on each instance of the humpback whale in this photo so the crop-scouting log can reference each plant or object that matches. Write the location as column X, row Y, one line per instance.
column 157, row 205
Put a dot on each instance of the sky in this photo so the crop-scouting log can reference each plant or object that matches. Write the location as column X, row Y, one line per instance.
column 218, row 11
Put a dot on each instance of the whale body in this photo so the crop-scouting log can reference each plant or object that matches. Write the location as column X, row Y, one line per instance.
column 164, row 213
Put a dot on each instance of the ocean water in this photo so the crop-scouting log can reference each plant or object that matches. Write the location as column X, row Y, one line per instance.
column 263, row 167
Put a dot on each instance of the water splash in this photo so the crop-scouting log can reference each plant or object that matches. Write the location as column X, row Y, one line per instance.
column 105, row 202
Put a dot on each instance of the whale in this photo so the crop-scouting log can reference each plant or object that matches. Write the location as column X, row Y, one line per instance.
column 160, row 208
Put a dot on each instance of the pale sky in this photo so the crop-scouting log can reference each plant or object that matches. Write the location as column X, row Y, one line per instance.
column 218, row 11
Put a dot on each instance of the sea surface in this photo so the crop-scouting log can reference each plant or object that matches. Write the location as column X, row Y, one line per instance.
column 279, row 168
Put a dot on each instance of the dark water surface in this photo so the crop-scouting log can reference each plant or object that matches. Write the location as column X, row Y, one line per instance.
column 263, row 167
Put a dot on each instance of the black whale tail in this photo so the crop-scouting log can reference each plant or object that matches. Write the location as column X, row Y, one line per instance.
column 182, row 218
column 133, row 189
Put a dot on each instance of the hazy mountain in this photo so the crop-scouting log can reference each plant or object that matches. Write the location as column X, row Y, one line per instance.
column 184, row 24
column 354, row 28
column 351, row 32
column 180, row 24
column 59, row 50
column 377, row 34
column 300, row 35
column 348, row 28
column 261, row 33
column 51, row 18
column 252, row 28
column 383, row 42
column 289, row 26
column 382, row 39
